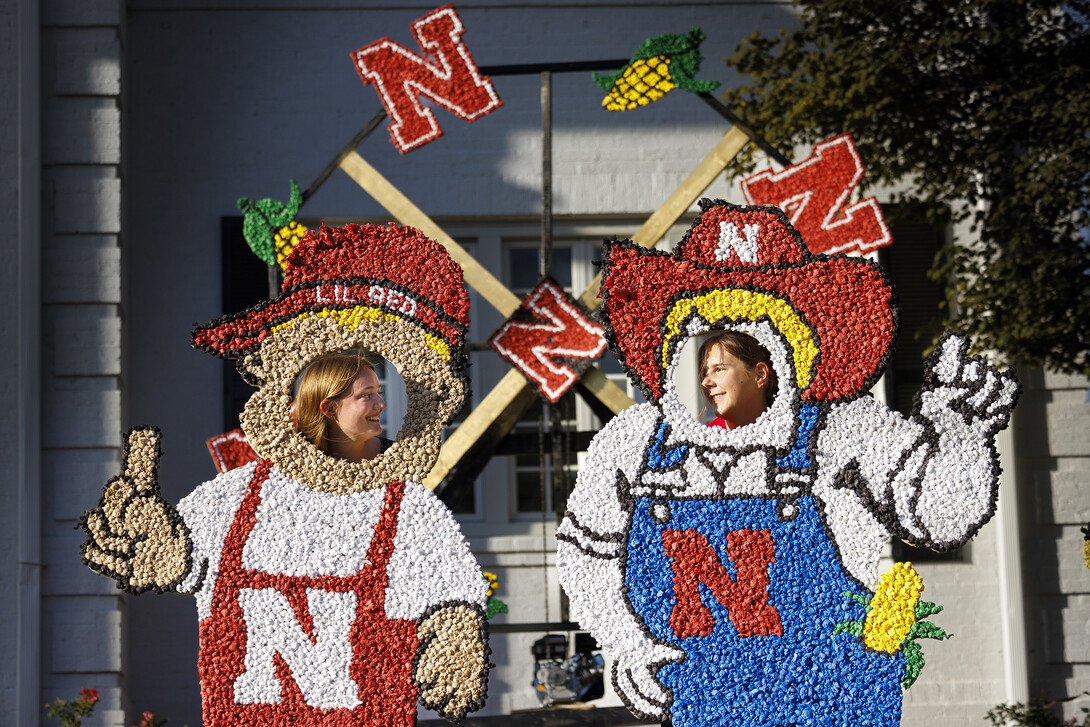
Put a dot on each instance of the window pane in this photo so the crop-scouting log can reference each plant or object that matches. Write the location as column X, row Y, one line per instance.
column 532, row 415
column 565, row 483
column 524, row 269
column 562, row 266
column 567, row 406
column 523, row 265
column 529, row 491
column 528, row 460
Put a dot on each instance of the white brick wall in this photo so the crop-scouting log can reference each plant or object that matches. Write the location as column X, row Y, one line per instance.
column 1053, row 441
column 83, row 613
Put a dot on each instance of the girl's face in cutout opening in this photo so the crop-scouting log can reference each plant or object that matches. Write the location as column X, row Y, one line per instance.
column 733, row 390
column 354, row 415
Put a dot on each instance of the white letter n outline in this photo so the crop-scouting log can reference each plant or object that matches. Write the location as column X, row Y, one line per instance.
column 730, row 239
column 321, row 669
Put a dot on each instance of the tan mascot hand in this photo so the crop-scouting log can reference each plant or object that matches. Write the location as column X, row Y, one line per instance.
column 451, row 667
column 135, row 536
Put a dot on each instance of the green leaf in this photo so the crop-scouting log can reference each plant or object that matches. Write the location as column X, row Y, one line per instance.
column 925, row 609
column 926, row 630
column 493, row 607
column 855, row 628
column 914, row 663
column 865, row 600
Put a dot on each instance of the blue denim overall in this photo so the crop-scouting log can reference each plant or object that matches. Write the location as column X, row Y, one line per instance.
column 806, row 676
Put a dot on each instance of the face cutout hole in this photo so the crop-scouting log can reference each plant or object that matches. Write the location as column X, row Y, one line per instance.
column 736, row 381
column 355, row 401
column 686, row 380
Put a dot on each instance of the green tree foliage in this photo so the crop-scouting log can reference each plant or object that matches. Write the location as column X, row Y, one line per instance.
column 983, row 107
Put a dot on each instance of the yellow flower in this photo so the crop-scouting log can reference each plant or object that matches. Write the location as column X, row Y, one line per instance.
column 493, row 581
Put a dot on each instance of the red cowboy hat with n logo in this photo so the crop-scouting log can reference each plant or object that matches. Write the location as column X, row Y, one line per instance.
column 736, row 264
column 375, row 270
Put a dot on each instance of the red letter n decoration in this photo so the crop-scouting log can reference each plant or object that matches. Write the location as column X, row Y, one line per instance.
column 446, row 74
column 813, row 193
column 695, row 561
column 550, row 339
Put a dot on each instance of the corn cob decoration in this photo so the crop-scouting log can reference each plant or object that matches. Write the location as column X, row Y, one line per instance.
column 658, row 66
column 285, row 240
column 894, row 618
column 269, row 226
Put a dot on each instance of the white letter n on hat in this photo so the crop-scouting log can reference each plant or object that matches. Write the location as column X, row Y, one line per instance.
column 729, row 239
column 321, row 669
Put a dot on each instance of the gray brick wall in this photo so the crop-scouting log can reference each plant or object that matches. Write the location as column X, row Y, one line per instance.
column 82, row 613
column 9, row 210
column 1054, row 463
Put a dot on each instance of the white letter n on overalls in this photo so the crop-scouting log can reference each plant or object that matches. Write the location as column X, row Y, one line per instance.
column 320, row 667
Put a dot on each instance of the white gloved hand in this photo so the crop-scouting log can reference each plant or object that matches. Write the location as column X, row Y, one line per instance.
column 634, row 678
column 961, row 387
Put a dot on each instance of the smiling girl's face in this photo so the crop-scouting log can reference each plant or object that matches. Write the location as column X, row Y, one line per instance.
column 735, row 391
column 354, row 418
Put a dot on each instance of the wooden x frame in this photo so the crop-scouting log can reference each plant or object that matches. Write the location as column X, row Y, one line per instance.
column 514, row 386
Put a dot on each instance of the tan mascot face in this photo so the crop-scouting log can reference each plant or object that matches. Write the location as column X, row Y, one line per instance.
column 389, row 290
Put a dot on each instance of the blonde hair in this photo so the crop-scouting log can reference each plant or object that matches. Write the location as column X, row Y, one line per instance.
column 326, row 378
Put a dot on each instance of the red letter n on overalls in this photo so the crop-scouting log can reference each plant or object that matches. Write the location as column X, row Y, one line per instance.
column 695, row 561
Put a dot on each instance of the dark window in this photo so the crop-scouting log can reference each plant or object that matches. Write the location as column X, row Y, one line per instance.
column 245, row 283
column 907, row 262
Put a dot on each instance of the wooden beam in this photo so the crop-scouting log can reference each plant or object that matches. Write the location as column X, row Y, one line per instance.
column 607, row 392
column 459, row 481
column 407, row 213
column 479, row 420
column 683, row 197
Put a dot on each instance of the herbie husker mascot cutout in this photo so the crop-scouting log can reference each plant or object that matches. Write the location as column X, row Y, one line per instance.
column 722, row 569
column 328, row 592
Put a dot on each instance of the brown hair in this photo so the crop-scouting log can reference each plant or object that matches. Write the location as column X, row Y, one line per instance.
column 326, row 378
column 746, row 349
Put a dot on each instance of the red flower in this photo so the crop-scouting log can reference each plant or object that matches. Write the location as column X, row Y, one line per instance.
column 89, row 695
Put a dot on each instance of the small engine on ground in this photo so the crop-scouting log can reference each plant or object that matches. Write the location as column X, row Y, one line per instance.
column 562, row 678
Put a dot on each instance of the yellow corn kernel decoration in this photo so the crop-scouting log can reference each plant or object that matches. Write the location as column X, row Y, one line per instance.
column 894, row 619
column 1086, row 546
column 493, row 605
column 892, row 610
column 641, row 83
column 285, row 240
column 658, row 66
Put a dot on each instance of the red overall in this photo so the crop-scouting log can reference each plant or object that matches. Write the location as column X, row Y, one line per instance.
column 383, row 649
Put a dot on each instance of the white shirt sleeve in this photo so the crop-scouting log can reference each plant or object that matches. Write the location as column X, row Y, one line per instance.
column 431, row 563
column 208, row 512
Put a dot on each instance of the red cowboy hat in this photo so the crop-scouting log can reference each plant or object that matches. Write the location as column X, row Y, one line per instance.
column 395, row 269
column 845, row 304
